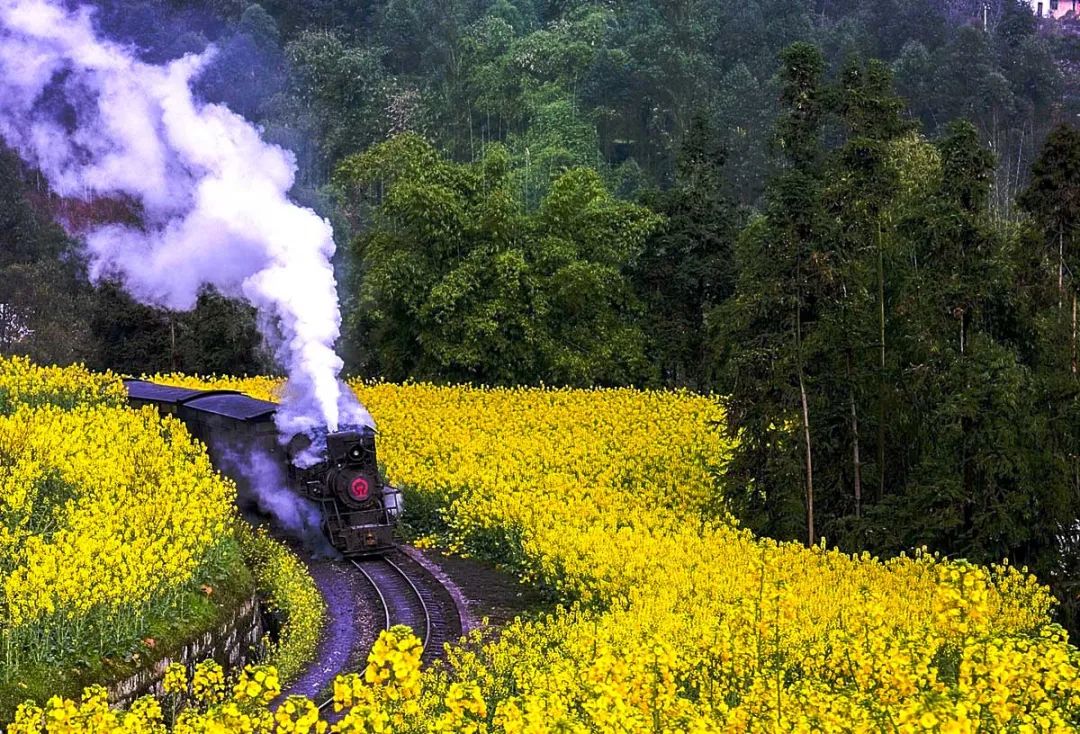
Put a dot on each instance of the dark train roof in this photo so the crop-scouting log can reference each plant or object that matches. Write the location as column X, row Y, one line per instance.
column 143, row 390
column 232, row 405
column 228, row 403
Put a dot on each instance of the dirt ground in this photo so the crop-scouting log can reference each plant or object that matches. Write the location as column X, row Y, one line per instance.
column 489, row 592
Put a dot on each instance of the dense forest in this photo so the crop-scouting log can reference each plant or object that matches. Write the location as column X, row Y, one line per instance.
column 857, row 221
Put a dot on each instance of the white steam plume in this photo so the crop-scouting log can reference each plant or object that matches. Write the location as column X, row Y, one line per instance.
column 212, row 195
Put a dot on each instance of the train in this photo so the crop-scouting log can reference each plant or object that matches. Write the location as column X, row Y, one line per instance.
column 358, row 510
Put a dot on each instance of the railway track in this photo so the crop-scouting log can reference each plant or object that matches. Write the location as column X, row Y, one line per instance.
column 408, row 595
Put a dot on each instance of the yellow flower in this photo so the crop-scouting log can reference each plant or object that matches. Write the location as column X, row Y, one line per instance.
column 673, row 618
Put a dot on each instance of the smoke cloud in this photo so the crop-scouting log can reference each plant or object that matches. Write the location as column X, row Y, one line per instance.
column 211, row 197
column 262, row 485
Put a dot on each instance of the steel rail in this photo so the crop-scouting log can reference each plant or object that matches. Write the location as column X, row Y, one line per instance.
column 419, row 598
column 388, row 622
column 374, row 585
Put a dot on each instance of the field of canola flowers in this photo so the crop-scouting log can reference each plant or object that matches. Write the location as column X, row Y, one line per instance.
column 676, row 620
column 108, row 517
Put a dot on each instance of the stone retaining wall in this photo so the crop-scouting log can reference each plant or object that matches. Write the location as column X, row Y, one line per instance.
column 234, row 644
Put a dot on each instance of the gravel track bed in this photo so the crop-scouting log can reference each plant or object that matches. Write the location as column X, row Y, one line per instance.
column 353, row 621
column 488, row 592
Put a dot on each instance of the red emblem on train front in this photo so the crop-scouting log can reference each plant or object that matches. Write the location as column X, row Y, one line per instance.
column 359, row 489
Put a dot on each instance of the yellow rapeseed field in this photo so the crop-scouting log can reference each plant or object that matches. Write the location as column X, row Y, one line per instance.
column 676, row 620
column 106, row 514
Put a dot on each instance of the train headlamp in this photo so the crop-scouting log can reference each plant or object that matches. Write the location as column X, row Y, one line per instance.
column 353, row 448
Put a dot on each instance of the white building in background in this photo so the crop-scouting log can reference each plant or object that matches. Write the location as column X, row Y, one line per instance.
column 1056, row 9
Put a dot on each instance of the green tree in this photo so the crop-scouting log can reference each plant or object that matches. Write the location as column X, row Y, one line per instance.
column 334, row 103
column 980, row 481
column 765, row 330
column 556, row 139
column 131, row 338
column 1052, row 199
column 745, row 106
column 688, row 266
column 460, row 282
column 43, row 293
column 855, row 266
column 218, row 336
column 872, row 304
column 248, row 69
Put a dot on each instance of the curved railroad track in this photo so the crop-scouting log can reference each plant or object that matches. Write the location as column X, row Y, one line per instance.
column 408, row 594
column 411, row 596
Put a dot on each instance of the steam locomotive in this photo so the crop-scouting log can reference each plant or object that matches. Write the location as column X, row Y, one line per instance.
column 358, row 510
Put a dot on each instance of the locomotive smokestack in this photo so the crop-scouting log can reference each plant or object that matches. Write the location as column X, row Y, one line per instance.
column 211, row 195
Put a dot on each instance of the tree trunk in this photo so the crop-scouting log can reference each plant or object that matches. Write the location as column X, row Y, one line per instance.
column 962, row 333
column 809, row 463
column 856, row 463
column 806, row 427
column 1072, row 347
column 881, row 373
column 172, row 342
